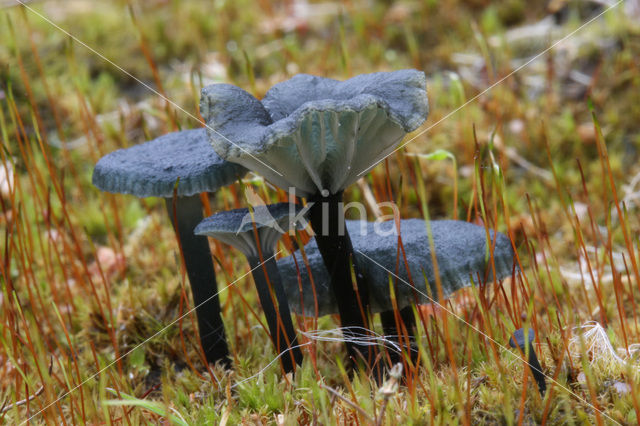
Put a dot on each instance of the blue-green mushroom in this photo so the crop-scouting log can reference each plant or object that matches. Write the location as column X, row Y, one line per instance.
column 522, row 339
column 461, row 251
column 317, row 136
column 152, row 169
column 238, row 228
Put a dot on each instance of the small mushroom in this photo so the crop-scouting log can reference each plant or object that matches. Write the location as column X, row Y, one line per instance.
column 236, row 228
column 317, row 136
column 522, row 341
column 461, row 252
column 152, row 169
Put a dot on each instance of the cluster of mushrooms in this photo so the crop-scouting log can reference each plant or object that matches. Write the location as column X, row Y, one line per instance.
column 314, row 136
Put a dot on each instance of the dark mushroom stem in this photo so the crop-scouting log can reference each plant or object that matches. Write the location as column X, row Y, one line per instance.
column 266, row 275
column 393, row 329
column 199, row 266
column 518, row 341
column 326, row 217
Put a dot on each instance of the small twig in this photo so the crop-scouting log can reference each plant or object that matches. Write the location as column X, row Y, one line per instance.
column 335, row 394
column 6, row 408
column 369, row 198
column 527, row 165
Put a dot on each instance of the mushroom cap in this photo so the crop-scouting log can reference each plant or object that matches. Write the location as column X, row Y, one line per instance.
column 460, row 251
column 151, row 169
column 235, row 227
column 318, row 133
column 518, row 339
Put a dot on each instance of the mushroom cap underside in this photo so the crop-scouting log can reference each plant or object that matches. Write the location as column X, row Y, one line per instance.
column 313, row 133
column 236, row 227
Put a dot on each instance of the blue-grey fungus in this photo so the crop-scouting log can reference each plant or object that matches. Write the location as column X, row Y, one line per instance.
column 318, row 135
column 236, row 228
column 152, row 169
column 461, row 253
column 522, row 340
